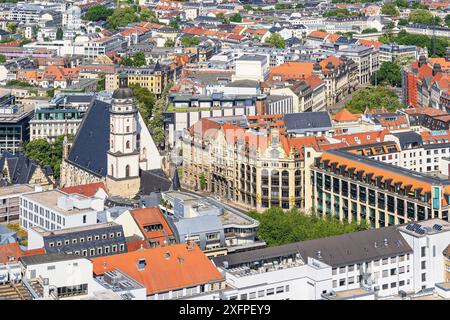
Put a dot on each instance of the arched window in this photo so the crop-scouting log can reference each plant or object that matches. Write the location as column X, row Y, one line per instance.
column 127, row 171
column 112, row 170
column 128, row 144
column 144, row 153
column 128, row 128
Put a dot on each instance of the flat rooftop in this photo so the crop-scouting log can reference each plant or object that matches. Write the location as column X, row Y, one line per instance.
column 46, row 233
column 49, row 199
column 15, row 189
column 423, row 228
column 351, row 293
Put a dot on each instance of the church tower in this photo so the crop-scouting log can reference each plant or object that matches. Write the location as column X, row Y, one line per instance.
column 123, row 155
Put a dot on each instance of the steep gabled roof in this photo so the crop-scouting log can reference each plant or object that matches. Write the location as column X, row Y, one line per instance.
column 91, row 143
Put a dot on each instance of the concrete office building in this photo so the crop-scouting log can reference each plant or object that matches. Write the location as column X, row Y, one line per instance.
column 54, row 210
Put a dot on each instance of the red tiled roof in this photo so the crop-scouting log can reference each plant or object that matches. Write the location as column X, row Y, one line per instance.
column 87, row 190
column 167, row 268
column 10, row 252
column 344, row 115
column 152, row 216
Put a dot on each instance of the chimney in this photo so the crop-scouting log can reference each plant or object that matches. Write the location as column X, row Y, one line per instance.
column 436, row 69
column 422, row 60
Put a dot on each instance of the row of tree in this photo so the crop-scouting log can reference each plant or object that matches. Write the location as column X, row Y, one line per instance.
column 437, row 46
column 373, row 97
column 278, row 227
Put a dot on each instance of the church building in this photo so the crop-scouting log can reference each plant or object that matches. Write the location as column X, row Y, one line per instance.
column 113, row 145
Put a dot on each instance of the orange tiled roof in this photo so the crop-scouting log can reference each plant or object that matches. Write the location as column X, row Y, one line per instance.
column 167, row 268
column 355, row 139
column 152, row 216
column 318, row 34
column 332, row 38
column 87, row 190
column 344, row 115
column 369, row 43
column 333, row 59
column 293, row 70
column 10, row 252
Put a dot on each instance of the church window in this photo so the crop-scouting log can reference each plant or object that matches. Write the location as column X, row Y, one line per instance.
column 128, row 144
column 128, row 128
column 112, row 170
column 127, row 171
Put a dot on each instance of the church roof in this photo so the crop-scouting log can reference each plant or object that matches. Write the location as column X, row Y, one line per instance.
column 91, row 143
column 21, row 168
column 154, row 181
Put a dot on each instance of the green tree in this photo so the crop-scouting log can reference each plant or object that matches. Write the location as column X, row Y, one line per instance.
column 11, row 27
column 202, row 179
column 422, row 16
column 121, row 18
column 447, row 20
column 390, row 9
column 248, row 7
column 402, row 3
column 276, row 40
column 101, row 84
column 236, row 18
column 2, row 58
column 389, row 73
column 149, row 15
column 169, row 43
column 278, row 227
column 404, row 38
column 369, row 30
column 18, row 83
column 402, row 22
column 337, row 13
column 145, row 101
column 139, row 59
column 418, row 5
column 97, row 13
column 175, row 23
column 190, row 41
column 373, row 98
column 46, row 153
column 156, row 123
column 59, row 34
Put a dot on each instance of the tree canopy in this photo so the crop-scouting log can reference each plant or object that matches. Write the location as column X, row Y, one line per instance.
column 419, row 40
column 389, row 73
column 447, row 20
column 122, row 17
column 59, row 34
column 148, row 15
column 369, row 30
column 46, row 153
column 276, row 40
column 2, row 58
column 145, row 101
column 97, row 13
column 278, row 227
column 373, row 98
column 136, row 60
column 337, row 13
column 189, row 41
column 424, row 17
column 390, row 9
column 236, row 18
